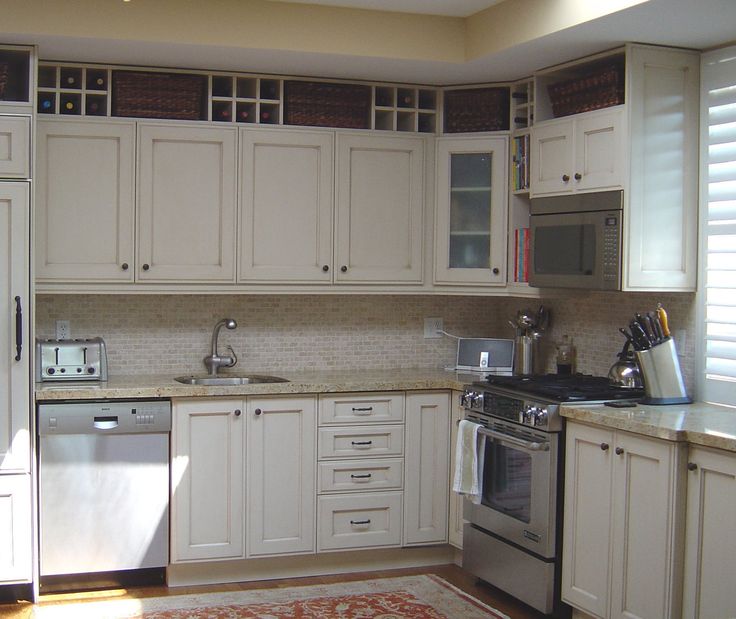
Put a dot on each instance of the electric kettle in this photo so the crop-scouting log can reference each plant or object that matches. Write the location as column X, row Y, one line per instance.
column 626, row 372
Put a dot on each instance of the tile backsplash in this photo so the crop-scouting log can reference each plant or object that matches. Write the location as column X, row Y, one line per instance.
column 171, row 334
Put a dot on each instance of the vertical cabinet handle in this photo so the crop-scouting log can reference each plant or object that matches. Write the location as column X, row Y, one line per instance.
column 18, row 329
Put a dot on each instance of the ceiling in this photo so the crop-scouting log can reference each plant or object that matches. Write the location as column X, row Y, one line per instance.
column 454, row 8
column 697, row 24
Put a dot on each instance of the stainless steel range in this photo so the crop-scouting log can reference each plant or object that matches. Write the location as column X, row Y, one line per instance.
column 512, row 539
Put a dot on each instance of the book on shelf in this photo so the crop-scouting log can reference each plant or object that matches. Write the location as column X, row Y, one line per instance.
column 520, row 162
column 521, row 255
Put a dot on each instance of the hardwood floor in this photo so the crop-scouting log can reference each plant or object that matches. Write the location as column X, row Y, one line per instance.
column 452, row 573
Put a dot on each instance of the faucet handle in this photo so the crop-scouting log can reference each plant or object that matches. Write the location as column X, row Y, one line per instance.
column 233, row 356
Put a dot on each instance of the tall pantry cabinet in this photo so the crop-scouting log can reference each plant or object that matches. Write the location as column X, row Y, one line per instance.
column 15, row 296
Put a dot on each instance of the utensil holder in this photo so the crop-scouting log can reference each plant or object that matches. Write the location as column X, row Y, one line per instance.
column 663, row 382
column 524, row 355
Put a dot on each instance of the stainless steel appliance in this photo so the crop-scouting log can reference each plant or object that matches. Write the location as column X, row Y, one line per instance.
column 576, row 241
column 512, row 538
column 71, row 360
column 103, row 486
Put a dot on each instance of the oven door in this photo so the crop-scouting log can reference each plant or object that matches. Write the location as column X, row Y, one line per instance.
column 519, row 491
column 576, row 250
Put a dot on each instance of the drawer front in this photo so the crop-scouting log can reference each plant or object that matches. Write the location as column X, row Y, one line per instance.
column 361, row 475
column 359, row 520
column 361, row 442
column 361, row 408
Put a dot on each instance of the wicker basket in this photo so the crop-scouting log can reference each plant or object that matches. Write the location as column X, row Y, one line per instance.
column 3, row 78
column 323, row 104
column 143, row 94
column 476, row 109
column 598, row 89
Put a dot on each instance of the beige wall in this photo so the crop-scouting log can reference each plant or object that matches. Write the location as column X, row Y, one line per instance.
column 171, row 334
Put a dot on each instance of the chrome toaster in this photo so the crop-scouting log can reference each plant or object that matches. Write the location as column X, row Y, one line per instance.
column 68, row 360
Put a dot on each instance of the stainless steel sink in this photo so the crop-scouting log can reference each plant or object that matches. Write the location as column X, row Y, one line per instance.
column 216, row 381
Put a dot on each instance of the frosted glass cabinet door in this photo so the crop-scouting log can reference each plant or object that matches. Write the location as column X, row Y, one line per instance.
column 471, row 211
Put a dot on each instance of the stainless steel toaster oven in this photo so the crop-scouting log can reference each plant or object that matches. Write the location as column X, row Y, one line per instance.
column 71, row 360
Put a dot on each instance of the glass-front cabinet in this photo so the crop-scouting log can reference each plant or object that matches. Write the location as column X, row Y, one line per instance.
column 471, row 211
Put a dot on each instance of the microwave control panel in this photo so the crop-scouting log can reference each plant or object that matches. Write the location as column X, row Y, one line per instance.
column 611, row 246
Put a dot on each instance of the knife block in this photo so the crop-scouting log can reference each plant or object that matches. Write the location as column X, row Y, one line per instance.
column 660, row 368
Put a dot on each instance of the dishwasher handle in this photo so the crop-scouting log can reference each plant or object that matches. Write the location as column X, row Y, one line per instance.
column 106, row 422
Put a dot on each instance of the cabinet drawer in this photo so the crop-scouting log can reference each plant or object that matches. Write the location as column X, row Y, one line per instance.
column 361, row 475
column 361, row 408
column 357, row 442
column 359, row 520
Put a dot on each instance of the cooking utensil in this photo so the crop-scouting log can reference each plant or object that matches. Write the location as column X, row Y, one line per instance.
column 639, row 336
column 662, row 315
column 656, row 326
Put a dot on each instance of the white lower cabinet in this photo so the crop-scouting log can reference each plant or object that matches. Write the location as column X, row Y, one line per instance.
column 207, row 486
column 215, row 443
column 623, row 533
column 426, row 481
column 15, row 529
column 710, row 544
column 281, row 460
column 455, row 525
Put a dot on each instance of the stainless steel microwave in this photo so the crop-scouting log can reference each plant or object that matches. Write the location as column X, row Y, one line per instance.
column 576, row 241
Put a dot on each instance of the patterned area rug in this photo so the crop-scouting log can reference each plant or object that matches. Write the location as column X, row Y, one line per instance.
column 408, row 597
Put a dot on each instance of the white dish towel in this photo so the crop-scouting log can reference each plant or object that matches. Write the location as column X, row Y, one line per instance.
column 469, row 453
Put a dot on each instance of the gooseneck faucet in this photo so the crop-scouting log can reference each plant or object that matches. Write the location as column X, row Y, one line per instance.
column 214, row 361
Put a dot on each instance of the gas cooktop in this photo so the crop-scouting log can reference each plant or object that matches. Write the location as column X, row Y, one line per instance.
column 564, row 388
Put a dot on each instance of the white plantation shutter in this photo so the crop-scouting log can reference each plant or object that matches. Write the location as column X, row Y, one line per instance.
column 719, row 234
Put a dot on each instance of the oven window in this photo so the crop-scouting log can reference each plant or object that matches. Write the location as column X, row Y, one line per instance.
column 564, row 250
column 507, row 481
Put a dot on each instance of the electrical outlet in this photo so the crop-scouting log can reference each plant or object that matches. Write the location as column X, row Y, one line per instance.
column 432, row 328
column 63, row 330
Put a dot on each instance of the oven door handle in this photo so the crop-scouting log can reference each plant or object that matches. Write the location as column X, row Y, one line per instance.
column 528, row 445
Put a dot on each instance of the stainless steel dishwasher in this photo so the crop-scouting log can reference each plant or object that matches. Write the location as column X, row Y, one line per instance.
column 103, row 485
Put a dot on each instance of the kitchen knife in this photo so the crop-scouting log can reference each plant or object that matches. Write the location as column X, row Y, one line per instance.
column 639, row 336
column 662, row 314
column 627, row 335
column 642, row 322
column 655, row 327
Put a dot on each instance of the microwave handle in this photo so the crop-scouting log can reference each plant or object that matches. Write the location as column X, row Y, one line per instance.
column 517, row 442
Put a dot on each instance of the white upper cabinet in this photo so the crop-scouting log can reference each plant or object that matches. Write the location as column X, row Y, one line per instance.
column 186, row 203
column 85, row 208
column 471, row 214
column 286, row 206
column 661, row 210
column 379, row 209
column 15, row 134
column 581, row 153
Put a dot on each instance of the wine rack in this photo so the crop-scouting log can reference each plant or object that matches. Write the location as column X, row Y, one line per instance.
column 15, row 75
column 405, row 109
column 245, row 99
column 522, row 104
column 73, row 90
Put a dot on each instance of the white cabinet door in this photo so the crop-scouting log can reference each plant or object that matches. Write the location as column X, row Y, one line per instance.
column 580, row 153
column 15, row 529
column 426, row 481
column 15, row 136
column 15, row 440
column 286, row 206
column 379, row 209
column 586, row 548
column 455, row 535
column 599, row 154
column 186, row 203
column 85, row 209
column 646, row 529
column 552, row 156
column 471, row 214
column 281, row 474
column 710, row 544
column 207, row 516
column 661, row 220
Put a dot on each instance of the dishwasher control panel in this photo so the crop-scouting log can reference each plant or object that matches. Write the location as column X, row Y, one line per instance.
column 104, row 417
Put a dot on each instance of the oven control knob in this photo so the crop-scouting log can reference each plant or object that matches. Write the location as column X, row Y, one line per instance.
column 464, row 400
column 540, row 417
column 476, row 401
column 527, row 415
column 467, row 398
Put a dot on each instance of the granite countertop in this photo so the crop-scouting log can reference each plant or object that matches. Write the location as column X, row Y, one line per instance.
column 164, row 386
column 697, row 423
